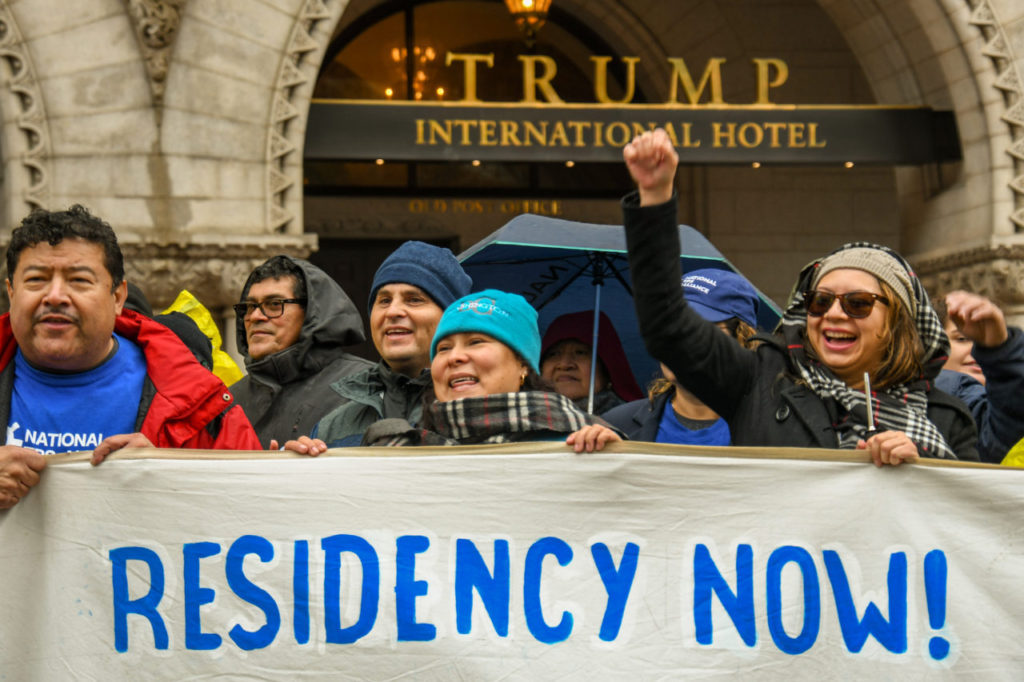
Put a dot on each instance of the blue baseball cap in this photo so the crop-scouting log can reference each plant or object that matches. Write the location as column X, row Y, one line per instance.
column 719, row 295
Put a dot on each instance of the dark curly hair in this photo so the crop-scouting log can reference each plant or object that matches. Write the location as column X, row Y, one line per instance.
column 53, row 227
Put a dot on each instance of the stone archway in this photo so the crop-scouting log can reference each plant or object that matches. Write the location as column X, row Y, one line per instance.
column 25, row 146
column 195, row 154
column 955, row 54
column 944, row 53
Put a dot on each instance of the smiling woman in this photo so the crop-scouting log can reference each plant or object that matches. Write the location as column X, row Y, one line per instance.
column 858, row 312
column 486, row 385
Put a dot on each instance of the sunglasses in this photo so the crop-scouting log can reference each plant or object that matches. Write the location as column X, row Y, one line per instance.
column 856, row 304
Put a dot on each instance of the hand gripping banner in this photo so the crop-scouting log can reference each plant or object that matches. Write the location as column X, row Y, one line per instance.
column 513, row 562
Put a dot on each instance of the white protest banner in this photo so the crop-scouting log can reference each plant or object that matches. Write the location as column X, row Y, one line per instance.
column 513, row 562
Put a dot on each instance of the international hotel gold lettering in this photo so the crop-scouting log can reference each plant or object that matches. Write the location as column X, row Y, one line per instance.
column 538, row 71
column 569, row 134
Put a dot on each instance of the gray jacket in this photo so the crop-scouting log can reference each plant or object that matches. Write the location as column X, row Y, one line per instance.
column 285, row 394
column 373, row 394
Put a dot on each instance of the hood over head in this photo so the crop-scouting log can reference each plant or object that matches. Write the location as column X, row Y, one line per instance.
column 331, row 322
column 580, row 327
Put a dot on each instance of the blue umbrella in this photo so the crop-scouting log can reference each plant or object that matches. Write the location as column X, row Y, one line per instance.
column 561, row 266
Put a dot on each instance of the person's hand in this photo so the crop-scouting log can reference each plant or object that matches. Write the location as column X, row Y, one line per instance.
column 592, row 437
column 121, row 440
column 977, row 318
column 652, row 160
column 890, row 447
column 306, row 446
column 19, row 471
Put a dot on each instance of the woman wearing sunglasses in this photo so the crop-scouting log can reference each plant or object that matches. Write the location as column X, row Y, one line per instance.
column 859, row 311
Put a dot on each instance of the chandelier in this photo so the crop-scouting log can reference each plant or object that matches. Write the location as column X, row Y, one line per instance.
column 529, row 16
column 423, row 68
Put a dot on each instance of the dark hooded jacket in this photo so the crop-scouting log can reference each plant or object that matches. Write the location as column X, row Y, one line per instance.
column 285, row 394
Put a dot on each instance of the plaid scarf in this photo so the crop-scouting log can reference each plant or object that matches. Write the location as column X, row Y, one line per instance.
column 498, row 418
column 903, row 407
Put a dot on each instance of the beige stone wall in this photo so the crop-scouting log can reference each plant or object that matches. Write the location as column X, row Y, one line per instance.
column 183, row 123
column 179, row 122
column 770, row 224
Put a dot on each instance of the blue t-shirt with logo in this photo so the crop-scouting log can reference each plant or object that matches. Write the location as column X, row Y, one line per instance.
column 53, row 412
column 671, row 431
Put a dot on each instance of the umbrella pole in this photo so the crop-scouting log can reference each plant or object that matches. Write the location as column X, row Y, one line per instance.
column 593, row 346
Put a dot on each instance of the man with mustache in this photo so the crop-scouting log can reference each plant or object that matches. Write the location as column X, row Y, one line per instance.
column 292, row 325
column 78, row 372
column 410, row 291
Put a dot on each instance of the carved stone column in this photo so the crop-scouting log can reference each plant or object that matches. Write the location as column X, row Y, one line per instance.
column 214, row 273
column 996, row 272
column 156, row 25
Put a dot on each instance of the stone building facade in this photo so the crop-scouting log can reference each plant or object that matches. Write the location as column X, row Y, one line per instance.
column 183, row 123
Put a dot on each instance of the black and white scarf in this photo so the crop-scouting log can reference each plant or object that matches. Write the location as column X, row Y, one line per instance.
column 497, row 418
column 903, row 407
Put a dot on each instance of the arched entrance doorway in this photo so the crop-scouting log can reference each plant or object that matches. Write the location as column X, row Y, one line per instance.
column 362, row 209
column 769, row 218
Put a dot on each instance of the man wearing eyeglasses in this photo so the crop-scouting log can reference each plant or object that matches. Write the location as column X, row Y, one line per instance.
column 292, row 324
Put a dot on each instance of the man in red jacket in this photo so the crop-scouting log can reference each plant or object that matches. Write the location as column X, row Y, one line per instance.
column 77, row 372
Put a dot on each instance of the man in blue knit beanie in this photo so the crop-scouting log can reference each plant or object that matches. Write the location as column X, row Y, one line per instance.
column 410, row 291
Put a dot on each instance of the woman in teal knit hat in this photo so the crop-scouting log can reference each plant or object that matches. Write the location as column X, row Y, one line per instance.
column 485, row 359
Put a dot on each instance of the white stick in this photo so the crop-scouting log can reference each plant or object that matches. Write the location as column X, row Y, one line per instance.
column 867, row 395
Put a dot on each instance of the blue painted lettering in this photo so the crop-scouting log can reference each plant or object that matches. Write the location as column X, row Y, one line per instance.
column 300, row 588
column 892, row 633
column 196, row 596
column 617, row 583
column 244, row 588
column 935, row 595
column 812, row 599
column 471, row 573
column 407, row 588
column 532, row 606
column 144, row 606
column 707, row 579
column 333, row 547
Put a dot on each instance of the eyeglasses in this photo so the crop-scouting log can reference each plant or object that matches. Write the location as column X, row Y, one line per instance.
column 856, row 304
column 271, row 308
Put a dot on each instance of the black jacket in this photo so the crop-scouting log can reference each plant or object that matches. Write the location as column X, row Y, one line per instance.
column 639, row 419
column 285, row 394
column 753, row 390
